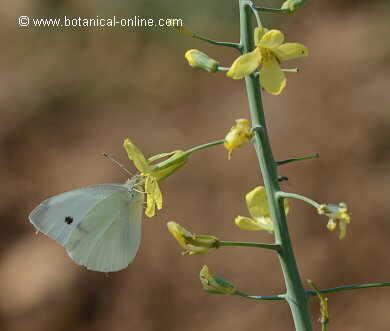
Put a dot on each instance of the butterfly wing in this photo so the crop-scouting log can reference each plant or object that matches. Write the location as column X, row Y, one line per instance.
column 99, row 235
column 51, row 215
column 114, row 244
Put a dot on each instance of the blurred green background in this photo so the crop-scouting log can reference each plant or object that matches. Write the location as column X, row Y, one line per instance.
column 67, row 95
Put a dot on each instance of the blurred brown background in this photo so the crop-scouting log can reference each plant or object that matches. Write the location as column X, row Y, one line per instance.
column 67, row 95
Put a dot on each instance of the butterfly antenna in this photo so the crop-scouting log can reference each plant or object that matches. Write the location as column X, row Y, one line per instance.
column 118, row 164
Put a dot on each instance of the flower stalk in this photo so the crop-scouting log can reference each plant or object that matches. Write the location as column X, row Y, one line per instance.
column 261, row 297
column 194, row 35
column 349, row 287
column 307, row 157
column 298, row 197
column 204, row 146
column 249, row 244
column 296, row 295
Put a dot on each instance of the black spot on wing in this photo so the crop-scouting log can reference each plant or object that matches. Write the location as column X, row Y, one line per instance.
column 69, row 219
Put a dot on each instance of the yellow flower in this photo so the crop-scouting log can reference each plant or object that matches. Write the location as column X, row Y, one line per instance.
column 257, row 203
column 214, row 284
column 269, row 52
column 338, row 214
column 237, row 136
column 152, row 173
column 192, row 243
column 198, row 59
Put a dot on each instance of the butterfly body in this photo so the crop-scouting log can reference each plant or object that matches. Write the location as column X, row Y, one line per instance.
column 99, row 226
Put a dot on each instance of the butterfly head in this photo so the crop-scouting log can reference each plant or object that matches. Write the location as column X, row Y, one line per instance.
column 135, row 182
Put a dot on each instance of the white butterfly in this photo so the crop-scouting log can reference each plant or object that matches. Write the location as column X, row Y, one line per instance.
column 99, row 225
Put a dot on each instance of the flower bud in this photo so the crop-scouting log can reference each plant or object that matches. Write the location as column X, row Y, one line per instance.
column 192, row 243
column 198, row 59
column 291, row 5
column 214, row 284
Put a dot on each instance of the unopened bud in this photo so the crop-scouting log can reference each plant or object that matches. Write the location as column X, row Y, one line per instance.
column 192, row 243
column 167, row 167
column 198, row 59
column 214, row 284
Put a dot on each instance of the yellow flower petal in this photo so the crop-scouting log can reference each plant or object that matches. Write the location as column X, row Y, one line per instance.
column 272, row 77
column 251, row 224
column 150, row 210
column 258, row 207
column 331, row 225
column 153, row 196
column 150, row 203
column 245, row 65
column 158, row 196
column 343, row 229
column 290, row 51
column 272, row 39
column 257, row 202
column 259, row 33
column 136, row 156
column 179, row 233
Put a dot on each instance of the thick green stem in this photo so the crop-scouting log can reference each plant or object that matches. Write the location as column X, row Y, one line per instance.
column 296, row 295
